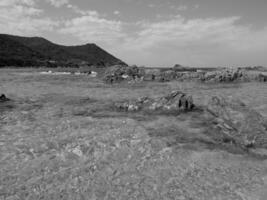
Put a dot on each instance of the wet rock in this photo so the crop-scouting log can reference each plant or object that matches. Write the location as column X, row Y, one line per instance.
column 176, row 101
column 239, row 123
column 3, row 98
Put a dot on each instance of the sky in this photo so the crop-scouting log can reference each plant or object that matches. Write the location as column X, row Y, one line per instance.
column 153, row 33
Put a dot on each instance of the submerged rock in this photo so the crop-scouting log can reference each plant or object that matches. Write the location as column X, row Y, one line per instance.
column 239, row 123
column 176, row 101
column 3, row 98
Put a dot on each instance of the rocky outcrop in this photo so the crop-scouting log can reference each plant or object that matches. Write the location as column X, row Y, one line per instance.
column 119, row 73
column 174, row 102
column 233, row 75
column 3, row 98
column 261, row 78
column 237, row 122
column 226, row 75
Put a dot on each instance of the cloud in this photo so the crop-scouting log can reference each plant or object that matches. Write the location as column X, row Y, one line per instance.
column 197, row 42
column 58, row 3
column 22, row 17
column 201, row 42
column 151, row 5
column 180, row 8
column 197, row 6
column 94, row 28
column 12, row 2
column 77, row 10
column 116, row 12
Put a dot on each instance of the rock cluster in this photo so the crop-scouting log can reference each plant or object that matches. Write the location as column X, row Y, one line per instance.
column 238, row 123
column 225, row 75
column 3, row 98
column 170, row 75
column 174, row 102
column 232, row 75
column 119, row 73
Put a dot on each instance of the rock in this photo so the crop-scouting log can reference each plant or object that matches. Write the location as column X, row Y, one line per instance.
column 119, row 73
column 226, row 75
column 176, row 101
column 3, row 98
column 262, row 78
column 232, row 75
column 238, row 122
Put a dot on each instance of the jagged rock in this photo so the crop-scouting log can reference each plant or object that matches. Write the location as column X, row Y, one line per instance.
column 3, row 98
column 226, row 75
column 239, row 123
column 232, row 75
column 119, row 73
column 176, row 101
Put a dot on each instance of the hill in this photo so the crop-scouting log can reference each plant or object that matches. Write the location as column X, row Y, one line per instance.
column 36, row 51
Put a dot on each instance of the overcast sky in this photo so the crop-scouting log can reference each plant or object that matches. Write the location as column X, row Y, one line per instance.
column 149, row 32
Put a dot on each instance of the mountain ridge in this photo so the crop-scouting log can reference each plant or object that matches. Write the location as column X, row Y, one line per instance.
column 23, row 51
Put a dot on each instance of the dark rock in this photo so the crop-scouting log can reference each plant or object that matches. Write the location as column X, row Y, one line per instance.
column 3, row 98
column 239, row 123
column 175, row 102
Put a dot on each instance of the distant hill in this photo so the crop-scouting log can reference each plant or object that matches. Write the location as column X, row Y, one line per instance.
column 37, row 51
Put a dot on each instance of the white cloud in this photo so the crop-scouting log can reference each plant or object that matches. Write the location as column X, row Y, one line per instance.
column 116, row 12
column 152, row 5
column 13, row 2
column 197, row 42
column 180, row 8
column 77, row 10
column 58, row 3
column 22, row 17
column 93, row 28
column 197, row 6
column 201, row 42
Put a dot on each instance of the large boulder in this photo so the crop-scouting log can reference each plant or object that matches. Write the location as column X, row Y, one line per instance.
column 239, row 123
column 176, row 101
